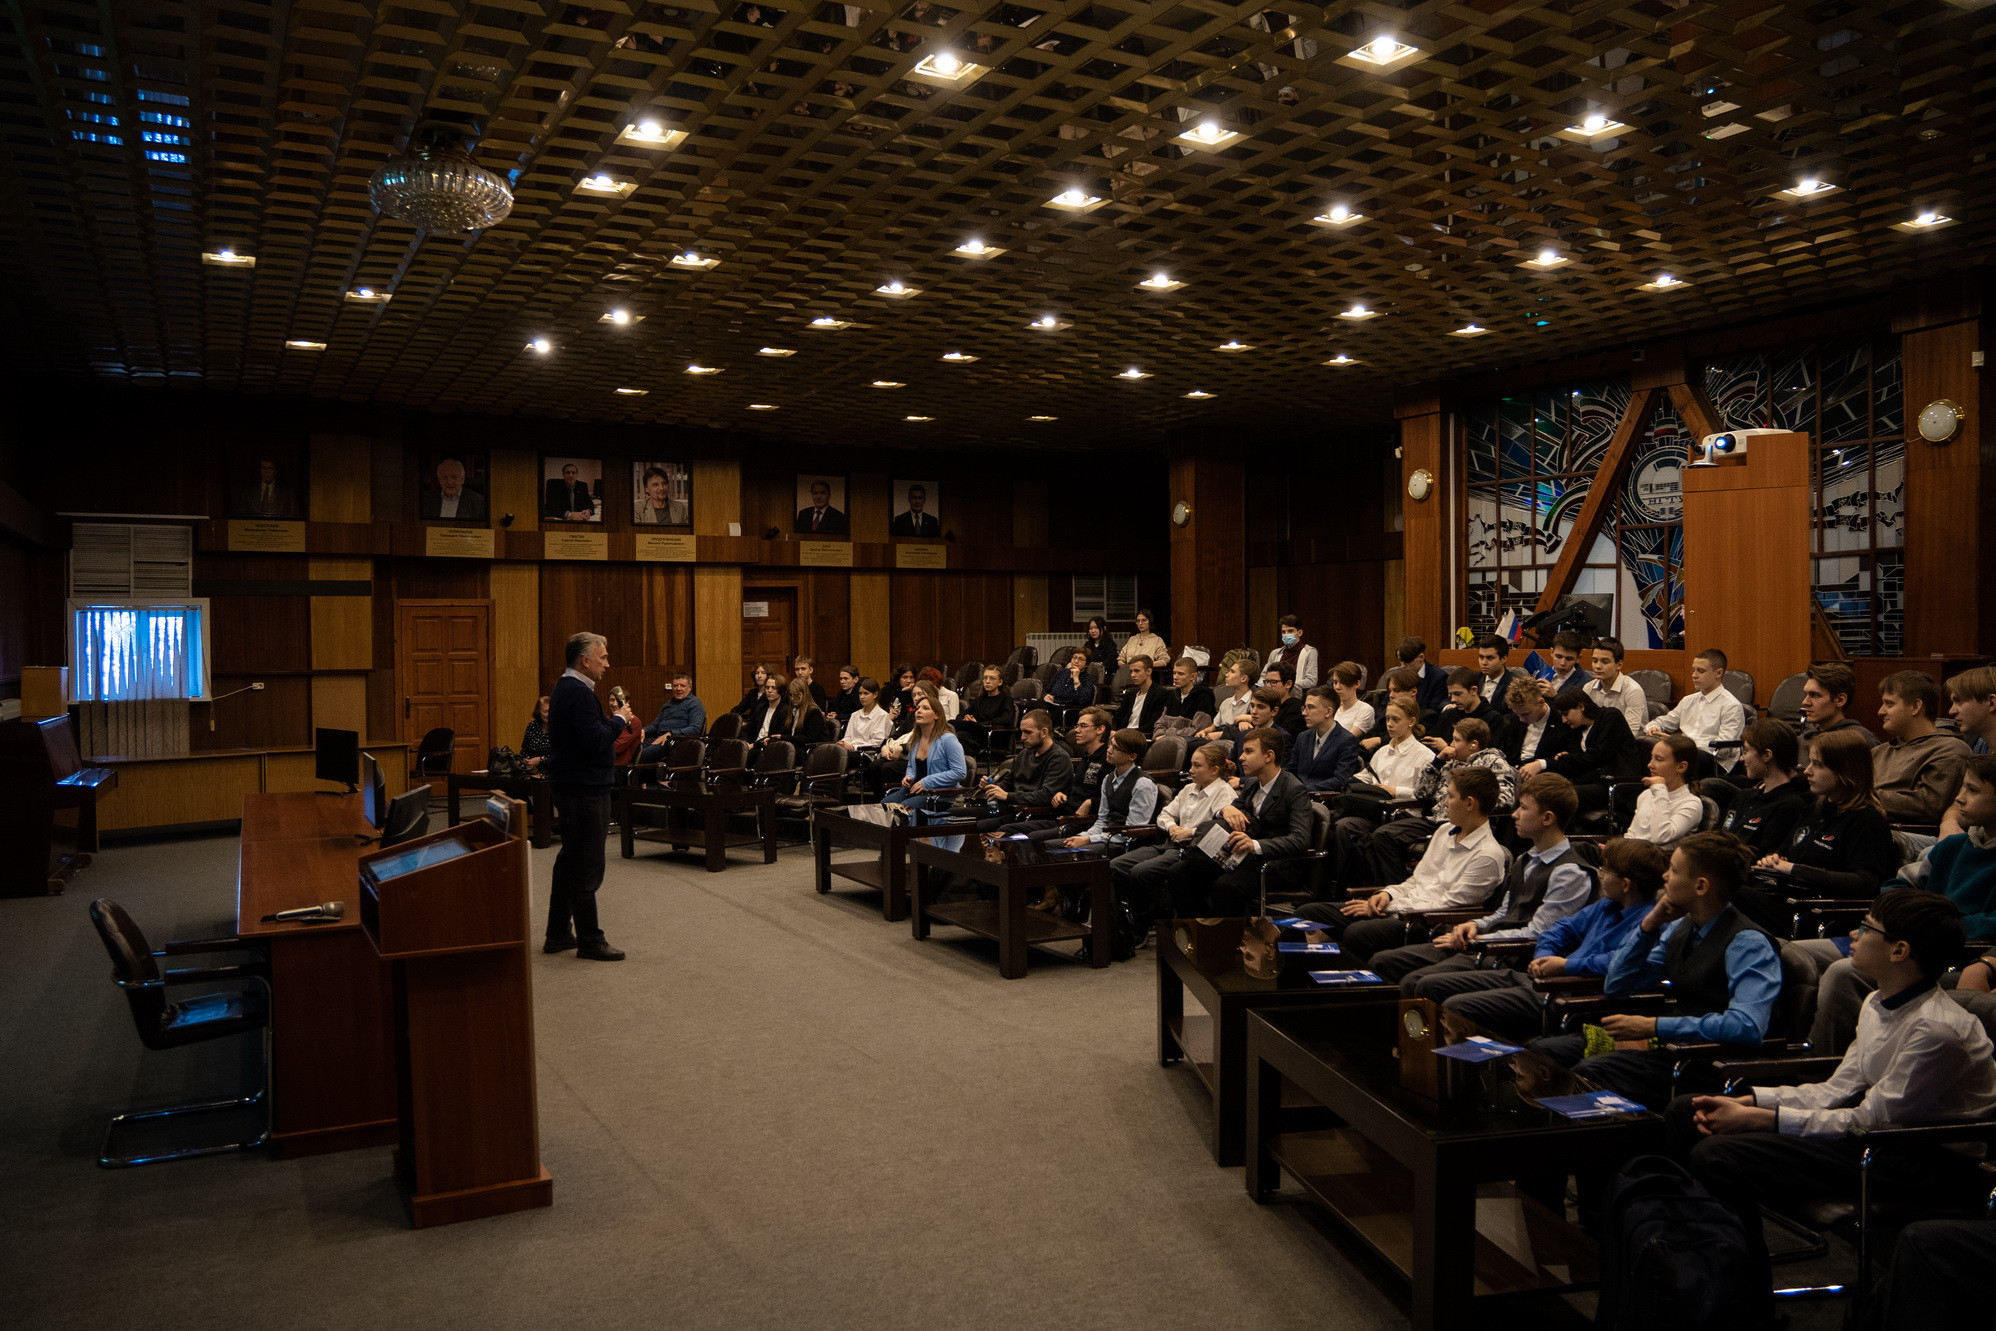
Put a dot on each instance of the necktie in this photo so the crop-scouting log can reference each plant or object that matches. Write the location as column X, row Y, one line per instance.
column 816, row 514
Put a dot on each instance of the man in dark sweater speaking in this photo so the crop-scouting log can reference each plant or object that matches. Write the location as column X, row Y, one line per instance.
column 581, row 741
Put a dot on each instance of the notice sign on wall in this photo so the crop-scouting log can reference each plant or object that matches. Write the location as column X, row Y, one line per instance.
column 825, row 554
column 653, row 545
column 921, row 556
column 755, row 610
column 256, row 534
column 575, row 545
column 458, row 542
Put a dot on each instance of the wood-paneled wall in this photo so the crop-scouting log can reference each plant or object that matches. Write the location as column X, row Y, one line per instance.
column 951, row 617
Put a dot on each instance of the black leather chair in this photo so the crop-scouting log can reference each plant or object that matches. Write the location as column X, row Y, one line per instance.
column 166, row 1024
column 728, row 725
column 819, row 787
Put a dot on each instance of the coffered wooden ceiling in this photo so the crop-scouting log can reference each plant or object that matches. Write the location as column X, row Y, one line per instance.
column 818, row 166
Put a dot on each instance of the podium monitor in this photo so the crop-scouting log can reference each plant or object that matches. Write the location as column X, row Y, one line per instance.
column 336, row 756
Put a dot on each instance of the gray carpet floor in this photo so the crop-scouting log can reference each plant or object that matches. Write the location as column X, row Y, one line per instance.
column 780, row 1112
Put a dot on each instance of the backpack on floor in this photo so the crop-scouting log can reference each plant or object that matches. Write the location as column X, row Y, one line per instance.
column 1673, row 1257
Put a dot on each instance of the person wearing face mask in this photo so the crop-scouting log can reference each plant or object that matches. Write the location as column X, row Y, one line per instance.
column 1300, row 655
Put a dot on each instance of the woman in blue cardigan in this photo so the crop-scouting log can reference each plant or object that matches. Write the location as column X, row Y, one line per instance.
column 934, row 760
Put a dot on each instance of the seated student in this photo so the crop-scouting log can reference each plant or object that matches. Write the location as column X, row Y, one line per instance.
column 1503, row 1001
column 1611, row 689
column 1237, row 681
column 1354, row 713
column 1707, row 715
column 1295, row 652
column 1141, row 704
column 1916, row 775
column 1939, row 1277
column 1392, row 773
column 1140, row 873
column 1723, row 972
column 1413, row 654
column 846, row 701
column 900, row 698
column 1088, row 748
column 804, row 669
column 1100, row 646
column 934, row 760
column 1072, row 687
column 1126, row 796
column 1325, row 755
column 1388, row 854
column 989, row 709
column 1261, row 712
column 1039, row 771
column 1961, row 867
column 1918, row 1058
column 1541, row 888
column 1602, row 748
column 1491, row 652
column 1827, row 690
column 536, row 744
column 1465, row 702
column 952, row 701
column 1144, row 644
column 1462, row 866
column 1668, row 810
column 1534, row 735
column 1270, row 819
column 1401, row 685
column 1972, row 704
column 752, row 699
column 771, row 715
column 1766, row 811
column 1565, row 655
column 807, row 724
column 1841, row 847
column 869, row 727
column 1281, row 676
column 1187, row 697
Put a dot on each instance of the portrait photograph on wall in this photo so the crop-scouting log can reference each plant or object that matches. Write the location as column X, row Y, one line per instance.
column 571, row 489
column 662, row 494
column 918, row 511
column 454, row 484
column 821, row 506
column 267, row 481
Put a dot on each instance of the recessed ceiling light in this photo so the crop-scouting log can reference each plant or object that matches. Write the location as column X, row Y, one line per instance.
column 887, row 383
column 1160, row 282
column 918, row 418
column 1926, row 221
column 1075, row 201
column 622, row 318
column 762, row 406
column 703, row 369
column 694, row 259
column 1664, row 282
column 605, row 185
column 1358, row 312
column 946, row 67
column 1341, row 359
column 1807, row 189
column 776, row 351
column 827, row 321
column 1042, row 418
column 651, row 134
column 1594, row 126
column 368, row 296
column 226, row 258
column 1547, row 259
column 1382, row 52
column 958, row 357
column 1231, row 345
column 976, row 249
column 1338, row 215
column 1133, row 373
column 633, row 392
column 896, row 290
column 1209, row 134
column 304, row 344
column 1469, row 330
column 1047, row 323
column 1199, row 393
column 540, row 346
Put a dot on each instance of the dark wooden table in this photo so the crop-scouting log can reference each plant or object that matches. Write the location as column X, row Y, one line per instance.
column 534, row 790
column 873, row 825
column 713, row 808
column 1232, row 967
column 1021, row 871
column 1446, row 1190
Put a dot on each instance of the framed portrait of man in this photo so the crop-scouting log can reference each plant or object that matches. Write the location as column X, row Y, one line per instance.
column 661, row 494
column 821, row 506
column 572, row 490
column 267, row 481
column 453, row 487
column 918, row 511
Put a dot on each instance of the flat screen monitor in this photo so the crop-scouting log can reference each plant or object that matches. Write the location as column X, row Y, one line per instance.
column 418, row 857
column 336, row 756
column 373, row 792
column 408, row 816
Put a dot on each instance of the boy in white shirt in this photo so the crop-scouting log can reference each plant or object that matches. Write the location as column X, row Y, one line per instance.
column 1668, row 810
column 1197, row 803
column 1611, row 688
column 1709, row 714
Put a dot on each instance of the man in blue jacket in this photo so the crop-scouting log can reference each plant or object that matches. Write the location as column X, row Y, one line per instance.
column 581, row 764
column 1324, row 756
column 682, row 717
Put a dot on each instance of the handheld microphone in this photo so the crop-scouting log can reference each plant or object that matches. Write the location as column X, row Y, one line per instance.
column 324, row 913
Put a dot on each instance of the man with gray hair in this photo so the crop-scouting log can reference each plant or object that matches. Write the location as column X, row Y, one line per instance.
column 582, row 766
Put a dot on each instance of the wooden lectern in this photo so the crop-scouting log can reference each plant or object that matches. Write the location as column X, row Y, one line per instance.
column 449, row 912
column 1747, row 544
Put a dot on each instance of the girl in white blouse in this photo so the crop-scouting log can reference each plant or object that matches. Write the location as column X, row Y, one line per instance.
column 1397, row 765
column 1354, row 713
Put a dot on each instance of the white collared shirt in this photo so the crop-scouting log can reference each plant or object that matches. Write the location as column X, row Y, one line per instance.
column 1706, row 717
column 1454, row 872
column 1528, row 747
column 1666, row 817
column 1193, row 807
column 1233, row 709
column 573, row 673
column 1398, row 767
column 1626, row 696
column 869, row 730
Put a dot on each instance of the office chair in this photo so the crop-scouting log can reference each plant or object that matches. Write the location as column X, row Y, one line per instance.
column 169, row 1025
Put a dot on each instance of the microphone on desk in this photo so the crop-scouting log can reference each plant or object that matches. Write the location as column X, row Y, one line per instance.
column 326, row 912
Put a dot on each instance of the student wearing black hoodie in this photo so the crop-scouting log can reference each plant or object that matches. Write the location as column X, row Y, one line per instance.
column 1841, row 847
column 1767, row 809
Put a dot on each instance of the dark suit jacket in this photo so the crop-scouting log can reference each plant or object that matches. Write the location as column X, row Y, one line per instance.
column 833, row 523
column 1289, row 718
column 1433, row 693
column 1326, row 765
column 1557, row 737
column 1284, row 825
column 247, row 500
column 1605, row 750
column 1496, row 698
column 912, row 523
column 1199, row 700
column 470, row 506
column 582, row 738
column 562, row 498
column 1498, row 719
column 1154, row 701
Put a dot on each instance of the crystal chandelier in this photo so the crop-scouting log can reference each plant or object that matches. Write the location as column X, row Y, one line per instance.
column 438, row 187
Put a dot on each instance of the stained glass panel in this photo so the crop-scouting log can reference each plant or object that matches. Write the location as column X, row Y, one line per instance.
column 1888, row 491
column 1482, row 432
column 1791, row 394
column 1846, row 404
column 1548, row 433
column 1514, row 431
column 1482, row 535
column 1596, row 410
column 1888, row 412
column 1889, row 599
column 1738, row 390
column 1844, row 515
column 1517, row 524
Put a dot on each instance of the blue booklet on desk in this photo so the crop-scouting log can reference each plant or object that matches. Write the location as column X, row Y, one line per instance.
column 1591, row 1104
column 1298, row 922
column 1346, row 977
column 1311, row 949
column 1477, row 1049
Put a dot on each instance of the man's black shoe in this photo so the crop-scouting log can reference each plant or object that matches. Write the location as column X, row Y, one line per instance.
column 600, row 950
column 561, row 944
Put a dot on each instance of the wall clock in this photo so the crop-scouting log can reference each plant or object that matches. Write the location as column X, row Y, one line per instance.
column 1940, row 421
column 1420, row 484
column 1181, row 513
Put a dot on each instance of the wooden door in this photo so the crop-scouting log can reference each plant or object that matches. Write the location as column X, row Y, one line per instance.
column 443, row 665
column 769, row 628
